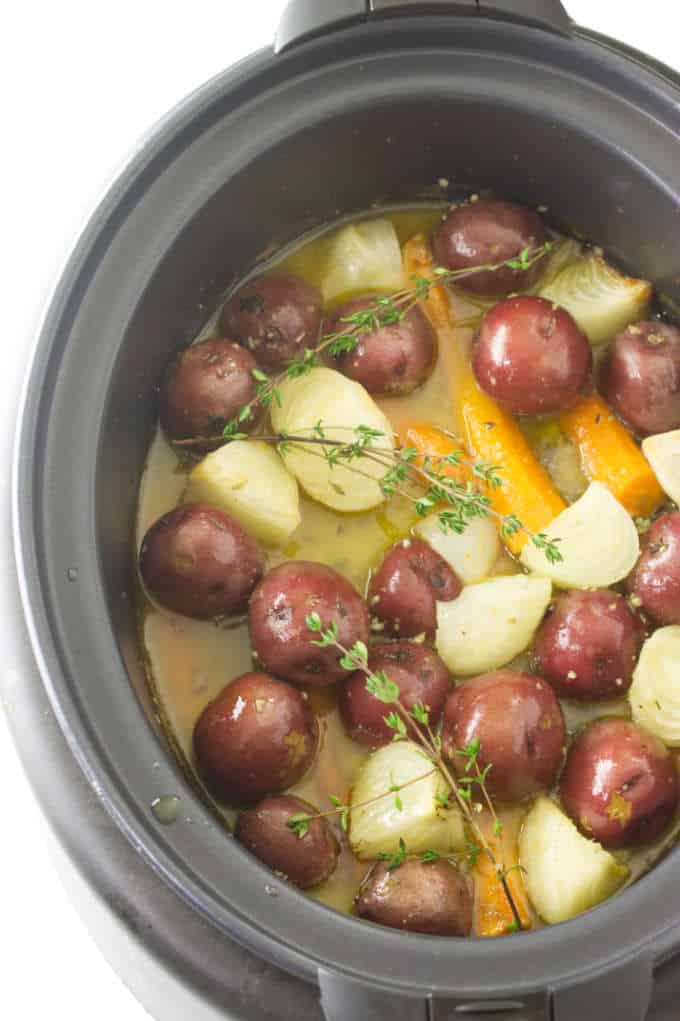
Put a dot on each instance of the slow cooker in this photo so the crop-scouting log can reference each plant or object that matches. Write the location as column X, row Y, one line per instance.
column 360, row 102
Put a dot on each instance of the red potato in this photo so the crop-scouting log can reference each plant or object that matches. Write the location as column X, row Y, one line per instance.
column 655, row 580
column 276, row 317
column 486, row 233
column 641, row 377
column 205, row 387
column 422, row 677
column 394, row 359
column 198, row 561
column 531, row 356
column 588, row 645
column 258, row 737
column 278, row 615
column 405, row 589
column 518, row 723
column 620, row 784
column 306, row 861
column 432, row 898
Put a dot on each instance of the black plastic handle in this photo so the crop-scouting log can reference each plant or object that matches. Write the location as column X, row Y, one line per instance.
column 304, row 18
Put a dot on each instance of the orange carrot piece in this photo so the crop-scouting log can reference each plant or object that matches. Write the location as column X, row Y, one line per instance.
column 432, row 443
column 493, row 915
column 490, row 434
column 526, row 490
column 495, row 438
column 610, row 455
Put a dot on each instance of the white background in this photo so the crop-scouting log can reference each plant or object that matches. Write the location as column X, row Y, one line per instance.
column 81, row 81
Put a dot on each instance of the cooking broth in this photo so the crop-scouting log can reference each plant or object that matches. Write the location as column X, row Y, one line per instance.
column 190, row 661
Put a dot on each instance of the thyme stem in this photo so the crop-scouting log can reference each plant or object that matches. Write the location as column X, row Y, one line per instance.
column 468, row 500
column 380, row 685
column 341, row 809
column 386, row 311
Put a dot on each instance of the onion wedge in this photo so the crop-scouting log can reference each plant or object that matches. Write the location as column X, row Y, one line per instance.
column 602, row 301
column 655, row 692
column 491, row 623
column 565, row 873
column 412, row 814
column 663, row 453
column 597, row 539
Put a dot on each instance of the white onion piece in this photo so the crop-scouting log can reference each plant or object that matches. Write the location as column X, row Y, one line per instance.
column 565, row 252
column 602, row 301
column 363, row 257
column 471, row 554
column 491, row 623
column 663, row 453
column 413, row 814
column 655, row 692
column 599, row 543
column 565, row 873
column 248, row 480
column 340, row 405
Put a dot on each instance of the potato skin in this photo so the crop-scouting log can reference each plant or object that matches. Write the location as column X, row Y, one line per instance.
column 520, row 728
column 204, row 388
column 258, row 737
column 641, row 377
column 278, row 615
column 429, row 898
column 275, row 317
column 531, row 356
column 620, row 784
column 305, row 861
column 486, row 233
column 199, row 562
column 421, row 677
column 394, row 359
column 587, row 646
column 655, row 579
column 405, row 589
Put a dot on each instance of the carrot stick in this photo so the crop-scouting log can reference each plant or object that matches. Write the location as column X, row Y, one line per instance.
column 610, row 455
column 432, row 443
column 488, row 432
column 493, row 916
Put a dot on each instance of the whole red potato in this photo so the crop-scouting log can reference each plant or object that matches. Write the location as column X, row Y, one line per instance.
column 278, row 621
column 517, row 722
column 206, row 387
column 276, row 317
column 487, row 233
column 421, row 676
column 620, row 784
column 431, row 898
column 258, row 737
column 394, row 359
column 588, row 645
column 641, row 377
column 306, row 858
column 531, row 356
column 655, row 579
column 198, row 561
column 408, row 584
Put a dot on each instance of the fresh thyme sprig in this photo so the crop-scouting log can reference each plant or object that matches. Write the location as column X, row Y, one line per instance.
column 458, row 502
column 387, row 310
column 300, row 822
column 382, row 687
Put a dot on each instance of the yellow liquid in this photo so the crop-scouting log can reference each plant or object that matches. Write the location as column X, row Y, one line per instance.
column 189, row 662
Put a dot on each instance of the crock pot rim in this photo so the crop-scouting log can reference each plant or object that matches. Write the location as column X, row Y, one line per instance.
column 153, row 846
